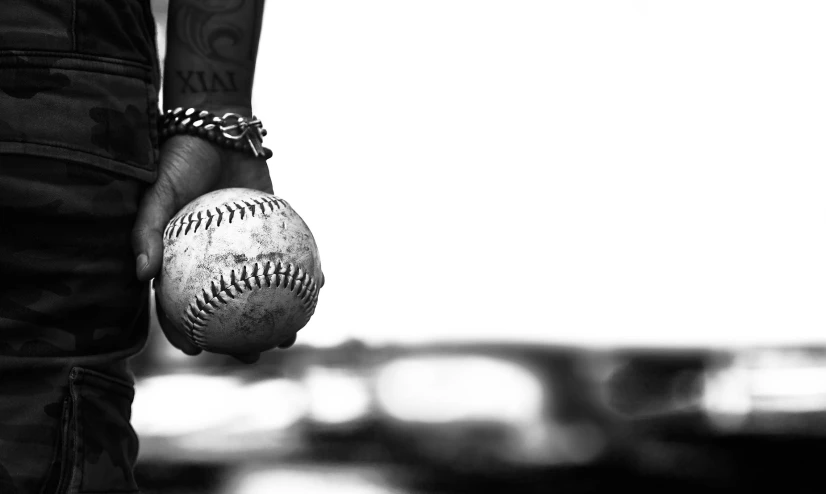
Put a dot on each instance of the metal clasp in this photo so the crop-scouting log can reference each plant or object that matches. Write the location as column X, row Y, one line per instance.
column 236, row 127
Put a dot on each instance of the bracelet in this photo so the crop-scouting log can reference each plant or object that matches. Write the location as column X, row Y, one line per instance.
column 231, row 131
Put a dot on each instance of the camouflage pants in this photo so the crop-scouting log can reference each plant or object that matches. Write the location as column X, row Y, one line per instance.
column 71, row 314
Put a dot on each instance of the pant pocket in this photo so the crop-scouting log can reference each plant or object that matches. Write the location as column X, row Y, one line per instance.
column 100, row 446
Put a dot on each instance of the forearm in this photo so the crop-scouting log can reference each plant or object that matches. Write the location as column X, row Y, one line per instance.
column 212, row 47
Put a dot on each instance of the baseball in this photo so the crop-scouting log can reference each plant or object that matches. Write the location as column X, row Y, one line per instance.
column 241, row 271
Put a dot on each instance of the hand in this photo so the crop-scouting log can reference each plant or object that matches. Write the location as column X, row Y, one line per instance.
column 189, row 168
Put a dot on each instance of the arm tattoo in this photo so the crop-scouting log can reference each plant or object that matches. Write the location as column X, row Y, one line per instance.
column 218, row 30
column 199, row 81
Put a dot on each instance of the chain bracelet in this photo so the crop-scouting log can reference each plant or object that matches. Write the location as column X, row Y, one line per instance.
column 231, row 131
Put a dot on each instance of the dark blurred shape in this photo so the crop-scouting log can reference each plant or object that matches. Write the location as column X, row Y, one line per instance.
column 736, row 420
column 487, row 418
column 160, row 478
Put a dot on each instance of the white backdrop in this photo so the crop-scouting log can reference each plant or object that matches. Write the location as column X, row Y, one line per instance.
column 601, row 172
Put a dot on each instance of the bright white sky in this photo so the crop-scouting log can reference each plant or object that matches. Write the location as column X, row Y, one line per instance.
column 600, row 172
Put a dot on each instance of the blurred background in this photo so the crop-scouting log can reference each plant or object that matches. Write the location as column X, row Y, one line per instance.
column 568, row 245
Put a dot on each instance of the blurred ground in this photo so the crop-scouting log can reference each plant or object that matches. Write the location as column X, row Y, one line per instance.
column 481, row 418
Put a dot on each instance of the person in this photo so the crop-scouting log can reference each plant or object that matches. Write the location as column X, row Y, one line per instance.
column 86, row 189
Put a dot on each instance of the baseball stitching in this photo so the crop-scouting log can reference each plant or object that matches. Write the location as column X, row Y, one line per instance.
column 278, row 274
column 192, row 221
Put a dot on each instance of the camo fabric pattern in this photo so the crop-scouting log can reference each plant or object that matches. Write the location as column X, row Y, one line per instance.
column 64, row 426
column 69, row 287
column 78, row 146
column 79, row 80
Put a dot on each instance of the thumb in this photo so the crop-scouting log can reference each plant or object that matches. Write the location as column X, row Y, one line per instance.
column 158, row 205
column 188, row 168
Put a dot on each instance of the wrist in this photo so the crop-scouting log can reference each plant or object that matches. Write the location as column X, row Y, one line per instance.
column 233, row 128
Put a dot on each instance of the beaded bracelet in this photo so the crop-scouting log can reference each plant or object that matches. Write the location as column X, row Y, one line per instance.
column 231, row 131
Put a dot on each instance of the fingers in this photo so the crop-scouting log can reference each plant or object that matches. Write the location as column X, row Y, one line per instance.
column 288, row 342
column 249, row 358
column 177, row 338
column 157, row 207
column 252, row 358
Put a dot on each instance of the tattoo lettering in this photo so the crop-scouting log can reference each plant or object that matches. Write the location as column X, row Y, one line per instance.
column 195, row 81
